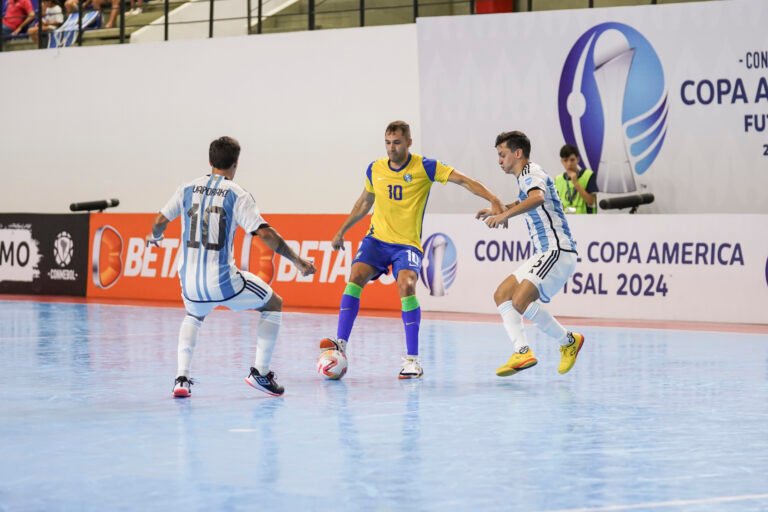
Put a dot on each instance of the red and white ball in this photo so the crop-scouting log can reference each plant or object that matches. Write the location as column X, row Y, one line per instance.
column 332, row 364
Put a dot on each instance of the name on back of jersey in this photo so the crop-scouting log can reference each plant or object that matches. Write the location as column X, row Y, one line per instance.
column 207, row 191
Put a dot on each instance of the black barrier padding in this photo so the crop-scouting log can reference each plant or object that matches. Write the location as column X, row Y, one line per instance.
column 43, row 254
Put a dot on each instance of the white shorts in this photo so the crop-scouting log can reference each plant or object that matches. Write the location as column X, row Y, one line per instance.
column 548, row 271
column 254, row 295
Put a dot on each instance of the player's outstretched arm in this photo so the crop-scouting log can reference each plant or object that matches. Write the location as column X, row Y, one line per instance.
column 276, row 242
column 158, row 228
column 362, row 207
column 534, row 200
column 478, row 189
column 486, row 212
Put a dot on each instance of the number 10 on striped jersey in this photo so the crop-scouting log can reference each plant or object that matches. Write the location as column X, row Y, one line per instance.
column 192, row 213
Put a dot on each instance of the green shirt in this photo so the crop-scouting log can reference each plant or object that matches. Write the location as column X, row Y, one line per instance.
column 570, row 197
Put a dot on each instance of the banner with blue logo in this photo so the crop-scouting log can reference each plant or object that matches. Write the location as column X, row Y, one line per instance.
column 710, row 268
column 667, row 99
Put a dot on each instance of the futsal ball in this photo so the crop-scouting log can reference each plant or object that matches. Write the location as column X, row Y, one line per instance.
column 332, row 364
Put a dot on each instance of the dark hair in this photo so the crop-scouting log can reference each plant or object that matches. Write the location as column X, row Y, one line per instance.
column 399, row 125
column 224, row 152
column 568, row 150
column 515, row 140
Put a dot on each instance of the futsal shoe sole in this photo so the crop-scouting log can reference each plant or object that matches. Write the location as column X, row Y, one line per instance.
column 508, row 371
column 255, row 385
column 181, row 393
column 411, row 376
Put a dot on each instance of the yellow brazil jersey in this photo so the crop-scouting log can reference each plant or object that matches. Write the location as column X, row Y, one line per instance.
column 401, row 197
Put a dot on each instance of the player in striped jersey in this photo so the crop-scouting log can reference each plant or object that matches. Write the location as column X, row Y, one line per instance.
column 552, row 263
column 211, row 208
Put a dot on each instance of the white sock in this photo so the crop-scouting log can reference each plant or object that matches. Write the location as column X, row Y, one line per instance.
column 269, row 327
column 188, row 334
column 513, row 323
column 546, row 323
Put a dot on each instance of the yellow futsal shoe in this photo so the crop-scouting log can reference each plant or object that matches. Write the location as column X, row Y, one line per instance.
column 520, row 360
column 569, row 352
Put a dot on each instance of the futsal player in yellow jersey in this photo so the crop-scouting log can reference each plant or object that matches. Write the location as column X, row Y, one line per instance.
column 399, row 185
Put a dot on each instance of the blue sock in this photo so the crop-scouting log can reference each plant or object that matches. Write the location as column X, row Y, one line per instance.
column 411, row 321
column 350, row 305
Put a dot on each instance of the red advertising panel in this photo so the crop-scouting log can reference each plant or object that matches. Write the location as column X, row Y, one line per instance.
column 121, row 266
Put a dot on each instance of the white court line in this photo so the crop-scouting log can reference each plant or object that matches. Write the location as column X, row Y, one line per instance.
column 667, row 504
column 56, row 337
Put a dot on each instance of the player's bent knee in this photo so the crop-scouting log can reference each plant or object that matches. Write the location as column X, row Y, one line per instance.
column 275, row 303
column 359, row 277
column 522, row 298
column 406, row 288
column 520, row 303
column 502, row 294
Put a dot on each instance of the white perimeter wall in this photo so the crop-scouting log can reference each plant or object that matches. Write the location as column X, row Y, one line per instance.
column 134, row 121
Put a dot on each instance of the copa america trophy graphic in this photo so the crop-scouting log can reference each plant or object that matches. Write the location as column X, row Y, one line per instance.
column 616, row 174
column 613, row 106
column 439, row 265
column 436, row 255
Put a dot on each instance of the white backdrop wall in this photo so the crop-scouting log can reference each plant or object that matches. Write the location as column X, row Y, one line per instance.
column 481, row 75
column 310, row 107
column 134, row 121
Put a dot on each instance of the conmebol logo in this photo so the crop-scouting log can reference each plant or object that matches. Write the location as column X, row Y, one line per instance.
column 438, row 270
column 613, row 104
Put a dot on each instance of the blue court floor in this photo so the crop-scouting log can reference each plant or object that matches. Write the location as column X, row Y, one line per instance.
column 647, row 420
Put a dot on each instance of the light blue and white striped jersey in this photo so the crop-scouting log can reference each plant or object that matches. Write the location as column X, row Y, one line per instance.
column 547, row 225
column 211, row 208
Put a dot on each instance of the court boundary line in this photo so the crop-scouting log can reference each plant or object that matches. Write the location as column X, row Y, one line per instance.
column 667, row 504
column 671, row 325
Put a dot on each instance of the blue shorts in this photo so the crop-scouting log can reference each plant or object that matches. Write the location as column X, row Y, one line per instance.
column 380, row 255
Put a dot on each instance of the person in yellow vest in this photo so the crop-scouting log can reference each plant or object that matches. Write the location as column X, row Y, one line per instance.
column 576, row 187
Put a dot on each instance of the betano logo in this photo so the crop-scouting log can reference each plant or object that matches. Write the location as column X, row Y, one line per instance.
column 613, row 104
column 107, row 258
column 113, row 259
column 439, row 269
column 332, row 266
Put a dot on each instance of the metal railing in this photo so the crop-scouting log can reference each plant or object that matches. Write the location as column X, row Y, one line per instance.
column 255, row 24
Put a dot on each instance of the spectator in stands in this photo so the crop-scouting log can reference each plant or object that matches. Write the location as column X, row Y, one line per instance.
column 71, row 6
column 113, row 14
column 51, row 20
column 137, row 9
column 18, row 14
column 576, row 187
